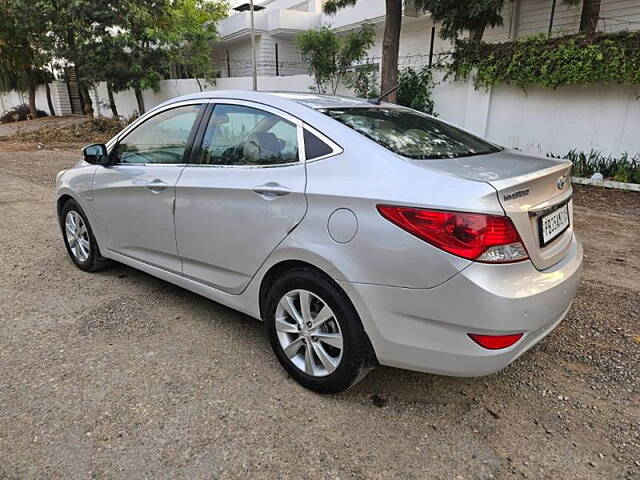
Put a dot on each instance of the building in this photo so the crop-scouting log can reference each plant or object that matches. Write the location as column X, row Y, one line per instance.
column 279, row 22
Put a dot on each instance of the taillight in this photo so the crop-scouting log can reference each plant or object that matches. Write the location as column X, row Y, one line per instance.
column 495, row 342
column 475, row 236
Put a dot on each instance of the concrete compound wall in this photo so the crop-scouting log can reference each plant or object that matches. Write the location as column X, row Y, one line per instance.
column 542, row 120
column 12, row 99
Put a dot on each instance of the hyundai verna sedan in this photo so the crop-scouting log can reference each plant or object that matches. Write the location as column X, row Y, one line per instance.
column 360, row 233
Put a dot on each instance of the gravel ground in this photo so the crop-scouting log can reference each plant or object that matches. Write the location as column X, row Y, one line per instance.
column 121, row 375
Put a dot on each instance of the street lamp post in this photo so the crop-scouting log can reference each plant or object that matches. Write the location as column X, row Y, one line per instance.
column 252, row 8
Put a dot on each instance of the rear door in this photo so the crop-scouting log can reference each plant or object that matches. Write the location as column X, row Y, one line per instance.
column 242, row 195
column 134, row 198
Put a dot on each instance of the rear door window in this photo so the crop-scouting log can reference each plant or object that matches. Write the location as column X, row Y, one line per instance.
column 240, row 135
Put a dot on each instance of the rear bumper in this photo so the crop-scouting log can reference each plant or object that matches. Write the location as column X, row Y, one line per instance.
column 427, row 329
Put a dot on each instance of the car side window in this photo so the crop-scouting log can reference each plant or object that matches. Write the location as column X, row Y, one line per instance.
column 239, row 135
column 314, row 147
column 162, row 139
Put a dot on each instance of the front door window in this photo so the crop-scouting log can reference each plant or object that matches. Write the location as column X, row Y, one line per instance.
column 160, row 140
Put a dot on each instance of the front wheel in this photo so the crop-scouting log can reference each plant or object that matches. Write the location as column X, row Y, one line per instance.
column 315, row 332
column 78, row 238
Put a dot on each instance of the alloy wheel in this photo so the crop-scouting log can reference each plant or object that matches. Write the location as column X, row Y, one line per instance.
column 309, row 333
column 77, row 236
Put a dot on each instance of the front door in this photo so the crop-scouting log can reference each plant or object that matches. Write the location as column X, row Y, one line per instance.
column 134, row 197
column 242, row 195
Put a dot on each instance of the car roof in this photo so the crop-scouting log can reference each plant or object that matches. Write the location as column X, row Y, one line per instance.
column 316, row 100
column 308, row 99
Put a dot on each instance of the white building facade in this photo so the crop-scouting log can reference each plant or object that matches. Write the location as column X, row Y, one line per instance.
column 279, row 22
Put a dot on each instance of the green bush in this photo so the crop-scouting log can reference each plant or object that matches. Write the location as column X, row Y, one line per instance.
column 415, row 88
column 621, row 169
column 550, row 62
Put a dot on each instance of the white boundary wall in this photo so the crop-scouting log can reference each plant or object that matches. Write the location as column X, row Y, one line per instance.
column 126, row 101
column 543, row 120
column 539, row 121
column 13, row 98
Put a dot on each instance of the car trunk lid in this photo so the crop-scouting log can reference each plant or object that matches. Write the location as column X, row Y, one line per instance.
column 529, row 189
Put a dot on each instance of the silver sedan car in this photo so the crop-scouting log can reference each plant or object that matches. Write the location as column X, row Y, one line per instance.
column 360, row 233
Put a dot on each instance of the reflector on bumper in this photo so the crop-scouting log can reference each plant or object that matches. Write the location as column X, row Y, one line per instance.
column 495, row 342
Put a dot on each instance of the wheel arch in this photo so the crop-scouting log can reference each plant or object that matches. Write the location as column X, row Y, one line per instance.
column 60, row 201
column 283, row 266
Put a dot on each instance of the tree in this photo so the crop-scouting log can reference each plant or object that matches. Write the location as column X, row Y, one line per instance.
column 459, row 16
column 77, row 26
column 152, row 35
column 192, row 35
column 25, row 47
column 331, row 56
column 589, row 16
column 390, row 41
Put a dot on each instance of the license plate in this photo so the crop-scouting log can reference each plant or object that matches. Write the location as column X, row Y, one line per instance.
column 553, row 224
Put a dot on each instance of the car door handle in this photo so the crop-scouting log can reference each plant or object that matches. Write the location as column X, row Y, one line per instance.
column 271, row 190
column 156, row 185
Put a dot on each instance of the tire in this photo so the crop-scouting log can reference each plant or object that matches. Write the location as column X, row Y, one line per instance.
column 82, row 248
column 342, row 367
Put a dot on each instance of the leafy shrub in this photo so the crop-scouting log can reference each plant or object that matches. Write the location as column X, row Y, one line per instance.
column 621, row 169
column 19, row 114
column 415, row 87
column 550, row 61
column 363, row 80
column 331, row 56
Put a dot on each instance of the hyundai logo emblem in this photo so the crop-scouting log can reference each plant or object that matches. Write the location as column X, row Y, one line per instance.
column 561, row 182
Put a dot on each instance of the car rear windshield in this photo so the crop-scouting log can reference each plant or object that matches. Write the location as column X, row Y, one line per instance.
column 410, row 133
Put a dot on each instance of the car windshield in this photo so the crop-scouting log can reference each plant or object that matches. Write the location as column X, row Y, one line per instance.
column 410, row 133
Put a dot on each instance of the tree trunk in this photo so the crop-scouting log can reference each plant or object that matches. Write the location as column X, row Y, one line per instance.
column 590, row 15
column 52, row 112
column 86, row 100
column 390, row 47
column 140, row 100
column 31, row 89
column 476, row 34
column 112, row 100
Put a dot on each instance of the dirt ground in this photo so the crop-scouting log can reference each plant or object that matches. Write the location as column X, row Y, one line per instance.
column 120, row 375
column 10, row 129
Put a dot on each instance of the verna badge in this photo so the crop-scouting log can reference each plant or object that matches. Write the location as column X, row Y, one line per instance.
column 514, row 195
column 561, row 182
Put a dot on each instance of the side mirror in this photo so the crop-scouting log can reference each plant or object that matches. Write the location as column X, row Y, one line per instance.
column 96, row 154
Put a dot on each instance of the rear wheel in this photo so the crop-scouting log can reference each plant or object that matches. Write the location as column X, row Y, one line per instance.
column 315, row 332
column 78, row 238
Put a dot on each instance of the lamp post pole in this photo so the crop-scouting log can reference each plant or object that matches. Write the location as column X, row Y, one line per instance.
column 253, row 49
